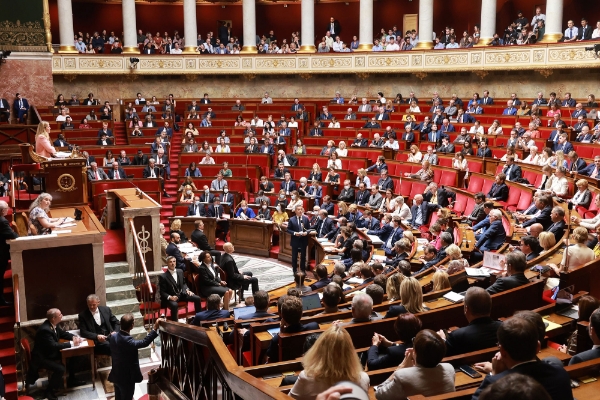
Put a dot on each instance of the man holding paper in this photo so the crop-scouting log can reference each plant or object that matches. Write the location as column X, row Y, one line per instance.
column 298, row 227
column 492, row 238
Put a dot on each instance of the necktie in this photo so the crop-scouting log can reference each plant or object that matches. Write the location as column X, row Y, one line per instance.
column 570, row 33
column 332, row 29
column 116, row 174
column 419, row 218
column 434, row 137
column 321, row 229
column 287, row 187
column 20, row 103
column 389, row 241
column 216, row 211
column 197, row 210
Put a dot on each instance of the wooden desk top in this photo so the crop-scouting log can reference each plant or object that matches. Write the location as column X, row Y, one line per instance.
column 130, row 199
column 90, row 345
column 88, row 224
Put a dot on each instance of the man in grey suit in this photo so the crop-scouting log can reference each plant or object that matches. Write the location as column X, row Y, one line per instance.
column 350, row 115
column 95, row 173
column 365, row 106
column 594, row 330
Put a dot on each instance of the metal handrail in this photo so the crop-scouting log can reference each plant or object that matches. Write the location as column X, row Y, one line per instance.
column 17, row 306
column 140, row 254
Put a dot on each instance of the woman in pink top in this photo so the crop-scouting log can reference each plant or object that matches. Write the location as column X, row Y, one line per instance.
column 42, row 140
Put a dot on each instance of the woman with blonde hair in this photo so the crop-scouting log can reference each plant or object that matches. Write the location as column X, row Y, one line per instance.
column 362, row 177
column 40, row 222
column 414, row 108
column 187, row 195
column 402, row 209
column 42, row 140
column 558, row 160
column 295, row 201
column 409, row 236
column 412, row 299
column 579, row 253
column 453, row 252
column 582, row 197
column 176, row 228
column 341, row 150
column 415, row 155
column 495, row 128
column 343, row 209
column 392, row 286
column 440, row 281
column 547, row 240
column 315, row 173
column 330, row 360
column 533, row 157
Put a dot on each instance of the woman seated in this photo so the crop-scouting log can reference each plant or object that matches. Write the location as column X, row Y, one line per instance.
column 343, row 210
column 187, row 195
column 176, row 227
column 334, row 161
column 459, row 162
column 342, row 151
column 402, row 209
column 553, row 110
column 582, row 197
column 392, row 289
column 332, row 177
column 547, row 240
column 457, row 262
column 299, row 148
column 279, row 215
column 109, row 159
column 533, row 157
column 495, row 128
column 315, row 173
column 330, row 360
column 414, row 108
column 222, row 147
column 587, row 305
column 363, row 178
column 295, row 201
column 135, row 121
column 440, row 281
column 560, row 185
column 40, row 222
column 207, row 159
column 412, row 299
column 193, row 171
column 264, row 213
column 425, row 173
column 415, row 155
column 510, row 151
column 239, row 121
column 223, row 135
column 252, row 147
column 245, row 212
column 329, row 149
column 187, row 181
column 210, row 279
column 421, row 371
column 579, row 254
column 334, row 123
column 192, row 129
column 388, row 205
column 226, row 171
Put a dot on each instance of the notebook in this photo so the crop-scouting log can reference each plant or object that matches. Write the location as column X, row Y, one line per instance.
column 311, row 301
column 242, row 311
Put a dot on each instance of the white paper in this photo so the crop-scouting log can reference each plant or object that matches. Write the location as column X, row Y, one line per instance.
column 454, row 297
column 61, row 226
column 36, row 237
column 355, row 280
column 375, row 239
column 63, row 231
column 476, row 272
column 492, row 260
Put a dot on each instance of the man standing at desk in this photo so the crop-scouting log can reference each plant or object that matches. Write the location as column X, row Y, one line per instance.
column 125, row 370
column 46, row 353
column 98, row 323
column 201, row 241
column 298, row 227
column 6, row 233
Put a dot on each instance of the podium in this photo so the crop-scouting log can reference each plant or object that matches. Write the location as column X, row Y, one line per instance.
column 252, row 237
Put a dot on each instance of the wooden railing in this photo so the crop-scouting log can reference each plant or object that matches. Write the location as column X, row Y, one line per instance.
column 142, row 279
column 17, row 306
column 197, row 364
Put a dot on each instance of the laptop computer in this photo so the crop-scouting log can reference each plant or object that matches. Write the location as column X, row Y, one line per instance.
column 311, row 301
column 142, row 102
column 242, row 311
column 569, row 312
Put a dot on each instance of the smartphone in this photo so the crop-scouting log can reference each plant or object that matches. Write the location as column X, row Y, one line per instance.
column 467, row 369
column 271, row 376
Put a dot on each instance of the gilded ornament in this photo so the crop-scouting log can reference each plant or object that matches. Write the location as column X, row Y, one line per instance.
column 66, row 183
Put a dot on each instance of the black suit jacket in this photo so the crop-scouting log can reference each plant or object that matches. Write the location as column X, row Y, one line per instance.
column 207, row 279
column 394, row 355
column 138, row 161
column 543, row 218
column 585, row 356
column 125, row 362
column 234, row 278
column 553, row 378
column 6, row 233
column 324, row 227
column 498, row 192
column 210, row 211
column 442, row 197
column 201, row 240
column 426, row 208
column 168, row 287
column 191, row 212
column 111, row 173
column 47, row 345
column 86, row 323
column 558, row 229
column 146, row 173
column 173, row 250
column 478, row 335
column 347, row 195
column 515, row 172
column 509, row 282
column 587, row 35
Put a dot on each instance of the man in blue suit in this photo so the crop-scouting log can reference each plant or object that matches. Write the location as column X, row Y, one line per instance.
column 368, row 221
column 213, row 311
column 518, row 345
column 509, row 110
column 298, row 227
column 324, row 225
column 420, row 211
column 395, row 235
column 267, row 147
column 165, row 128
column 594, row 330
column 563, row 144
column 316, row 192
column 486, row 100
column 384, row 231
column 288, row 184
column 125, row 372
column 492, row 238
column 381, row 115
column 544, row 206
column 21, row 107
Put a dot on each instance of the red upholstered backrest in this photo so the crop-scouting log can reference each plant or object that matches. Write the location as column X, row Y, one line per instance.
column 475, row 184
column 487, row 185
column 470, row 206
column 461, row 203
column 524, row 200
column 417, row 188
column 445, row 162
column 405, row 187
column 514, row 194
column 448, row 178
column 475, row 166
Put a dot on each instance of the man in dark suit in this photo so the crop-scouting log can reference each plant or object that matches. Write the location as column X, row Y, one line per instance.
column 196, row 209
column 515, row 267
column 347, row 192
column 173, row 251
column 4, row 109
column 98, row 323
column 291, row 313
column 324, row 224
column 321, row 272
column 420, row 211
column 327, row 205
column 481, row 332
column 367, row 221
column 167, row 128
column 213, row 311
column 46, row 353
column 116, row 172
column 105, row 130
column 483, row 150
column 235, row 280
column 125, row 372
column 442, row 194
column 288, row 185
column 544, row 206
column 518, row 344
column 298, row 226
column 383, row 232
column 394, row 236
column 594, row 330
column 20, row 108
column 530, row 246
column 385, row 182
column 140, row 158
column 173, row 288
column 558, row 226
column 512, row 170
column 492, row 238
column 297, row 106
column 382, row 115
column 6, row 233
column 334, row 27
column 585, row 32
column 206, row 196
column 486, row 100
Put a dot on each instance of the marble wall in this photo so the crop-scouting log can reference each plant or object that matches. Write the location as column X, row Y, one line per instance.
column 29, row 74
column 500, row 84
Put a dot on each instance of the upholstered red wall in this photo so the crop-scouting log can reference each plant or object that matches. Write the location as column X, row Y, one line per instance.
column 460, row 14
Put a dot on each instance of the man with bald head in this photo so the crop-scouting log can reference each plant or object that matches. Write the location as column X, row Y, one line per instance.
column 536, row 229
column 362, row 309
column 6, row 233
column 235, row 280
column 481, row 332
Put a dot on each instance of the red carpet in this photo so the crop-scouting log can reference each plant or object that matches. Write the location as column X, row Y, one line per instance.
column 114, row 245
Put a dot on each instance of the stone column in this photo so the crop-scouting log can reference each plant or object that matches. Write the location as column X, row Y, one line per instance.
column 129, row 28
column 365, row 31
column 249, row 23
column 307, row 17
column 488, row 22
column 554, row 27
column 190, row 29
column 65, row 26
column 425, row 24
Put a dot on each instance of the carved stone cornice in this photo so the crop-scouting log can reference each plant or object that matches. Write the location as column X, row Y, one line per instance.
column 481, row 60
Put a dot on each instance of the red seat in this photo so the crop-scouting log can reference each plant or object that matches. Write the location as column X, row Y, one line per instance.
column 523, row 203
column 460, row 204
column 475, row 166
column 514, row 194
column 445, row 162
column 417, row 188
column 531, row 176
column 487, row 185
column 448, row 178
column 405, row 186
column 470, row 206
column 475, row 184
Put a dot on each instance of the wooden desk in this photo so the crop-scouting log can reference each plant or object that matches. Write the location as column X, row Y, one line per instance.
column 188, row 225
column 285, row 249
column 76, row 352
column 43, row 262
column 251, row 237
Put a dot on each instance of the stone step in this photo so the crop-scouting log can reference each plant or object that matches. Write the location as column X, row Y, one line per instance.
column 116, row 268
column 120, row 279
column 123, row 306
column 120, row 292
column 138, row 321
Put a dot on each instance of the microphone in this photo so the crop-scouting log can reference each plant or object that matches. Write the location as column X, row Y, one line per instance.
column 139, row 192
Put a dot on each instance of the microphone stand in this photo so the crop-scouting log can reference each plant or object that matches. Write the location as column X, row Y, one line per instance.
column 569, row 208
